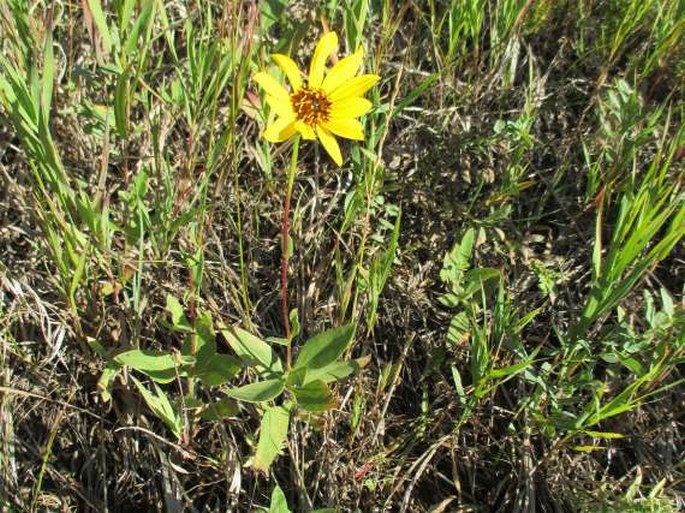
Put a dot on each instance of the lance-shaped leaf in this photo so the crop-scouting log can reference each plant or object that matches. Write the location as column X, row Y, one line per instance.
column 217, row 370
column 272, row 434
column 159, row 403
column 252, row 350
column 336, row 370
column 314, row 397
column 146, row 360
column 163, row 367
column 258, row 392
column 278, row 502
column 179, row 320
column 202, row 343
column 324, row 348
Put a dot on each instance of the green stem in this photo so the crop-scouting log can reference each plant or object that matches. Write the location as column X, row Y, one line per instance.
column 292, row 171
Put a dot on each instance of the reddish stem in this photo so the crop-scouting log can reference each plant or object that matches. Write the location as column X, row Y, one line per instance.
column 284, row 264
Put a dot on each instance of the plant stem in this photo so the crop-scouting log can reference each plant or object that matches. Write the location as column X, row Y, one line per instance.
column 284, row 249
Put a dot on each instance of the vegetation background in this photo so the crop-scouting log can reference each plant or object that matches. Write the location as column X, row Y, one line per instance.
column 507, row 242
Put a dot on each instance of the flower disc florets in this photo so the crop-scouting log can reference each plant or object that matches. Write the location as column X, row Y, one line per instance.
column 311, row 105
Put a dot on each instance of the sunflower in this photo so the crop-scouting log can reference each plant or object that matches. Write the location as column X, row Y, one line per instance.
column 318, row 107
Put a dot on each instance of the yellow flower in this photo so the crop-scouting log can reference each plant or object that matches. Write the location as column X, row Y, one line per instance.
column 319, row 107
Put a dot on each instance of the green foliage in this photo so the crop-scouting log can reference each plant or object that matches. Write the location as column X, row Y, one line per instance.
column 253, row 351
column 650, row 223
column 160, row 405
column 470, row 290
column 272, row 435
column 314, row 396
column 258, row 392
column 317, row 365
column 160, row 366
column 279, row 503
column 324, row 348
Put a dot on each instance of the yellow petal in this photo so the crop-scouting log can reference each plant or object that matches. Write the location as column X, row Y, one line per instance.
column 271, row 86
column 343, row 70
column 350, row 107
column 290, row 69
column 356, row 86
column 330, row 144
column 348, row 128
column 280, row 130
column 327, row 46
column 305, row 130
column 280, row 107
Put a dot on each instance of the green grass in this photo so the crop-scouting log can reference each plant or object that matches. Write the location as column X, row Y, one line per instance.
column 486, row 300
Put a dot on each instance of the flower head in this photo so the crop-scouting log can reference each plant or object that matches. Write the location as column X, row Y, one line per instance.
column 319, row 107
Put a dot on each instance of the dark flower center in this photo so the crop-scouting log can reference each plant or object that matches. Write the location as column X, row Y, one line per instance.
column 311, row 105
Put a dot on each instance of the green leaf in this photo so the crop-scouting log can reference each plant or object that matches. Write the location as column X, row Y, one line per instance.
column 336, row 370
column 166, row 29
column 221, row 409
column 610, row 435
column 294, row 323
column 325, row 347
column 588, row 448
column 48, row 78
column 253, row 351
column 458, row 260
column 109, row 373
column 140, row 24
column 633, row 365
column 97, row 346
column 456, row 378
column 162, row 367
column 217, row 370
column 178, row 317
column 271, row 11
column 121, row 104
column 165, row 376
column 280, row 341
column 295, row 378
column 100, row 22
column 205, row 339
column 414, row 94
column 125, row 14
column 480, row 358
column 278, row 502
column 144, row 360
column 476, row 279
column 159, row 403
column 667, row 302
column 379, row 272
column 459, row 329
column 272, row 434
column 77, row 276
column 258, row 392
column 314, row 397
column 511, row 370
